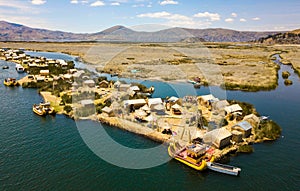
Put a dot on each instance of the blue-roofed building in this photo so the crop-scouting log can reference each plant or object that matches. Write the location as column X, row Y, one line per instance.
column 245, row 127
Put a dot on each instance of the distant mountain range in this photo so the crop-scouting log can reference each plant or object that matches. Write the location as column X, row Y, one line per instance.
column 292, row 37
column 17, row 32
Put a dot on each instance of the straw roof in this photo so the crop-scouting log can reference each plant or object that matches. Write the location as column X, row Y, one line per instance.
column 176, row 106
column 140, row 113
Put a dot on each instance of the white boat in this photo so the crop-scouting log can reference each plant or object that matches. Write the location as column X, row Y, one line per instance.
column 20, row 68
column 222, row 168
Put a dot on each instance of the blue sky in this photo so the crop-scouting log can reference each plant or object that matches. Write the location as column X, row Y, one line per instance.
column 95, row 15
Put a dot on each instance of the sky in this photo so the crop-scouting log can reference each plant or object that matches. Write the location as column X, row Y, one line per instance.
column 88, row 16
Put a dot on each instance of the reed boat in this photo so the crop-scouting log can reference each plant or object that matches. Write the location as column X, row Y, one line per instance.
column 10, row 82
column 47, row 108
column 37, row 109
column 222, row 168
column 193, row 155
column 43, row 109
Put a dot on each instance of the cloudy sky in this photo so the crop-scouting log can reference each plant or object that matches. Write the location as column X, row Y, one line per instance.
column 96, row 15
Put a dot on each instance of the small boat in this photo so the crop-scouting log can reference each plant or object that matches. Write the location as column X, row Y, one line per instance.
column 114, row 75
column 193, row 155
column 197, row 85
column 37, row 109
column 10, row 82
column 191, row 81
column 5, row 67
column 43, row 109
column 264, row 118
column 20, row 68
column 222, row 168
column 47, row 108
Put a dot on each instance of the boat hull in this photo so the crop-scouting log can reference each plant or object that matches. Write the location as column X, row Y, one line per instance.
column 10, row 83
column 225, row 169
column 38, row 112
column 200, row 167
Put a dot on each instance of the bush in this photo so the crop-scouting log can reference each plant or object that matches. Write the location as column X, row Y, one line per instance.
column 66, row 98
column 269, row 129
column 245, row 149
column 68, row 108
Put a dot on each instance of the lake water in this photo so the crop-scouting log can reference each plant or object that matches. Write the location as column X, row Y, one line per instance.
column 48, row 153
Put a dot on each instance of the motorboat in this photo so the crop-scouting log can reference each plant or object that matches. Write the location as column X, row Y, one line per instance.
column 222, row 168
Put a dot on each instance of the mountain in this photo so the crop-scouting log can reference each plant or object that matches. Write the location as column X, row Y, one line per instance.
column 227, row 35
column 17, row 32
column 291, row 37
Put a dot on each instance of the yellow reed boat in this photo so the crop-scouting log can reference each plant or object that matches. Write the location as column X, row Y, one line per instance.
column 10, row 82
column 43, row 109
column 193, row 155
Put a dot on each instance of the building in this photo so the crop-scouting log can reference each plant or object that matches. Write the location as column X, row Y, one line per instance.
column 134, row 104
column 107, row 111
column 87, row 103
column 68, row 76
column 233, row 109
column 44, row 72
column 78, row 74
column 252, row 119
column 220, row 105
column 124, row 87
column 218, row 137
column 152, row 102
column 103, row 84
column 244, row 127
column 207, row 100
column 237, row 136
column 117, row 84
column 89, row 83
column 134, row 88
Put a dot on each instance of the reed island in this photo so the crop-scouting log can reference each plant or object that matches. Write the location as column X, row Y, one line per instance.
column 200, row 129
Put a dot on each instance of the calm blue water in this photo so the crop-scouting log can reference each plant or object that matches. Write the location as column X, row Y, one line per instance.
column 48, row 153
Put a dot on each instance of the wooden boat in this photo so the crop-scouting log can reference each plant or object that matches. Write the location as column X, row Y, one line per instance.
column 194, row 155
column 37, row 109
column 10, row 82
column 222, row 168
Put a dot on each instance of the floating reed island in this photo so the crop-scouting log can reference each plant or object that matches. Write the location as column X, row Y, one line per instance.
column 225, row 126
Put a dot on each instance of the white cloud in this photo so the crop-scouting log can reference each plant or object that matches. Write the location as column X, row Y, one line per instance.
column 256, row 19
column 168, row 2
column 84, row 1
column 74, row 1
column 233, row 14
column 38, row 2
column 163, row 14
column 210, row 16
column 243, row 20
column 115, row 4
column 229, row 20
column 176, row 20
column 138, row 5
column 97, row 4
